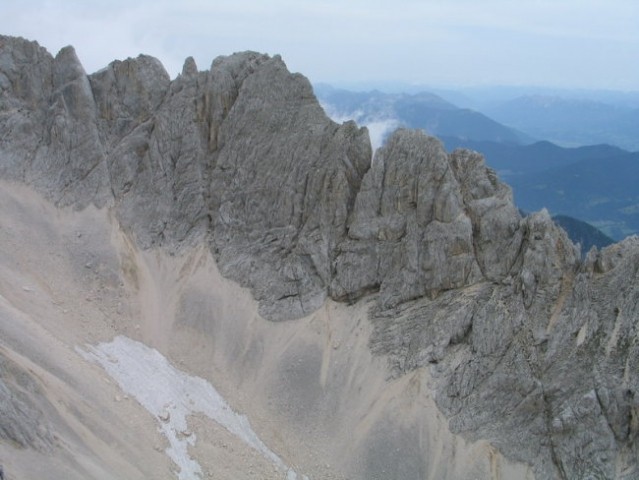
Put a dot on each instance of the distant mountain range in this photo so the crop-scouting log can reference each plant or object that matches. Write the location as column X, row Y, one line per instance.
column 424, row 110
column 569, row 121
column 510, row 159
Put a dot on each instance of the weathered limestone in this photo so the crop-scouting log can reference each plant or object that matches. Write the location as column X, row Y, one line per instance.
column 530, row 347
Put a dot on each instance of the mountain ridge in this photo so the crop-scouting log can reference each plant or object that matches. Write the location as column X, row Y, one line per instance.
column 570, row 121
column 241, row 159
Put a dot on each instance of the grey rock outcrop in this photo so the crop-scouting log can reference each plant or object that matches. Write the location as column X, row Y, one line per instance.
column 529, row 347
column 22, row 421
column 426, row 222
column 244, row 157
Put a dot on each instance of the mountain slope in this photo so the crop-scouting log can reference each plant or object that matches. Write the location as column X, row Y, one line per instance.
column 71, row 282
column 583, row 233
column 601, row 192
column 421, row 305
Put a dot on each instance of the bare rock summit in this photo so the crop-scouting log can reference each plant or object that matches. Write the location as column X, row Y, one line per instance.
column 529, row 347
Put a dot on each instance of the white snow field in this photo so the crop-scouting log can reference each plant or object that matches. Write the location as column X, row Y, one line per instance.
column 171, row 396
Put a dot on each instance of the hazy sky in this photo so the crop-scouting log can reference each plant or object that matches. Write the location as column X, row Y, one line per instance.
column 564, row 43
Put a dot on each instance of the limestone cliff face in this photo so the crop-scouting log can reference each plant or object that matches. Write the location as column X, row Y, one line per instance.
column 530, row 347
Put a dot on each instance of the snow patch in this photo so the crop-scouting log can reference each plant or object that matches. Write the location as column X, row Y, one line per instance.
column 171, row 395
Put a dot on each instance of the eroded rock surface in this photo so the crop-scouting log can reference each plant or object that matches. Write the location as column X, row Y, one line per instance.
column 23, row 423
column 530, row 347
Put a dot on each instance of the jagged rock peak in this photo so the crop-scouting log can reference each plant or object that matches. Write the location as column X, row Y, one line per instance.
column 68, row 66
column 238, row 151
column 528, row 347
column 243, row 157
column 190, row 67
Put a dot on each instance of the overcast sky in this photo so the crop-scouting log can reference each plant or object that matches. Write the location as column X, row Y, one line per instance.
column 559, row 43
